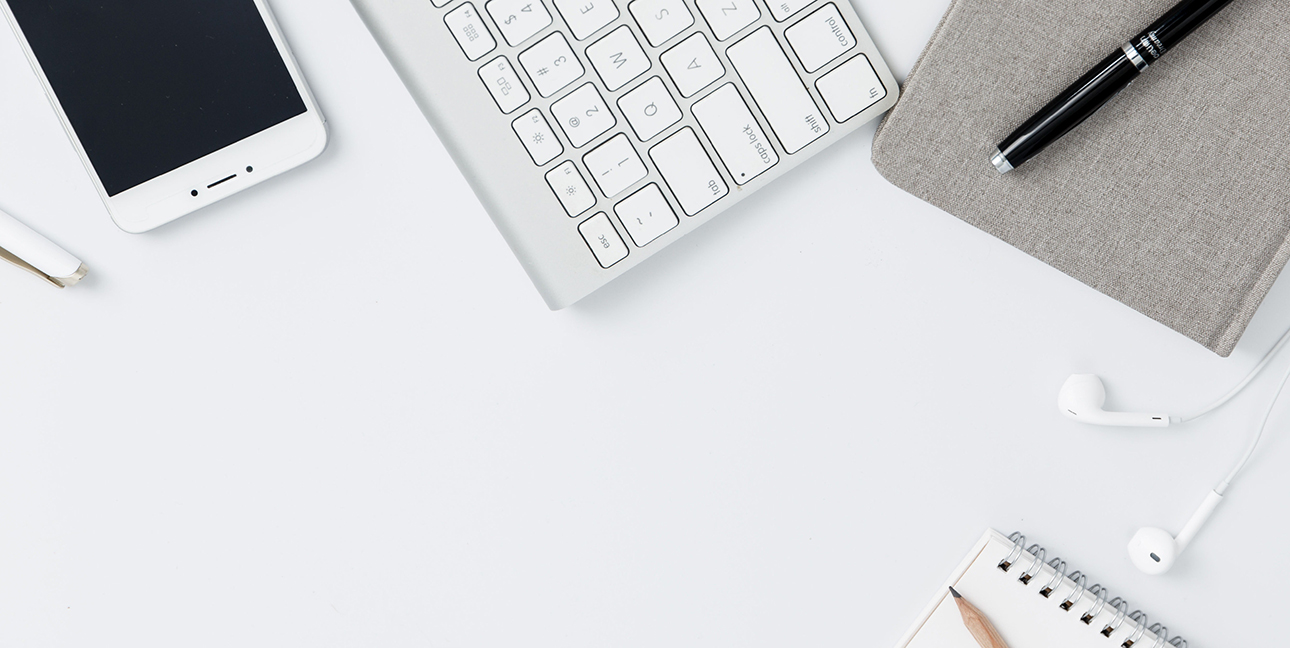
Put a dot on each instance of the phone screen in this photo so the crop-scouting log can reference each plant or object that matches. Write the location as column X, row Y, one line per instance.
column 152, row 85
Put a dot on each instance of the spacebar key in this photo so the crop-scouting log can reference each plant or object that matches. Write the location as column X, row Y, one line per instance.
column 777, row 89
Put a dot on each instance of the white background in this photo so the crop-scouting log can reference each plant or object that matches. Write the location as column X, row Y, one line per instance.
column 332, row 411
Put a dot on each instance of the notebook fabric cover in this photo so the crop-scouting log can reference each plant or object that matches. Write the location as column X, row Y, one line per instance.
column 1174, row 199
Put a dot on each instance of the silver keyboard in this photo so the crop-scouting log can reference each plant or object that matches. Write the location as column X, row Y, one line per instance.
column 596, row 132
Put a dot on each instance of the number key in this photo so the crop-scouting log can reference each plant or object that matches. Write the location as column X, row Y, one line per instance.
column 615, row 166
column 583, row 115
column 518, row 20
column 551, row 64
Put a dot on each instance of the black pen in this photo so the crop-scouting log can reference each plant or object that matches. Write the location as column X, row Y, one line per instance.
column 1103, row 82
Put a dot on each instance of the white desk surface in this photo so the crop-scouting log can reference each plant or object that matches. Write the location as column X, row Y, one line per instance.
column 332, row 411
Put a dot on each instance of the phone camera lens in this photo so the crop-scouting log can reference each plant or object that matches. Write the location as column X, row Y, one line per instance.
column 249, row 169
column 194, row 193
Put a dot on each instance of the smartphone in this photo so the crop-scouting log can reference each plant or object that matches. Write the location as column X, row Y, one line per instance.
column 171, row 104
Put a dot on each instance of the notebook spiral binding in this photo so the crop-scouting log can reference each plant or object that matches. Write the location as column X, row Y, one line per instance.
column 1121, row 607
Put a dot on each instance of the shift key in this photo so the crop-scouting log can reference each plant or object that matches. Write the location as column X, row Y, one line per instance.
column 778, row 91
column 734, row 133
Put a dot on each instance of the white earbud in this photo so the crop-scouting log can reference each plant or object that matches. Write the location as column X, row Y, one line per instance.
column 1154, row 551
column 1082, row 397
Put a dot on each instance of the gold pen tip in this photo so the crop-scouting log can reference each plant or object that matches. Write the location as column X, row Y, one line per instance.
column 956, row 594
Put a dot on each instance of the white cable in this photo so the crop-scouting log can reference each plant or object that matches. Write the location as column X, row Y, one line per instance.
column 1285, row 337
column 1257, row 437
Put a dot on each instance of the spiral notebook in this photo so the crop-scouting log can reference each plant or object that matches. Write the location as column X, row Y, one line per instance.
column 1034, row 602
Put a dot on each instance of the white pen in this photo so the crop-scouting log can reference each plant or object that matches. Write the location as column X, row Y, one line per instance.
column 23, row 247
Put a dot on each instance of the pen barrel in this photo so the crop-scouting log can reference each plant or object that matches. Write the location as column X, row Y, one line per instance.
column 31, row 248
column 1175, row 26
column 1104, row 82
column 1085, row 97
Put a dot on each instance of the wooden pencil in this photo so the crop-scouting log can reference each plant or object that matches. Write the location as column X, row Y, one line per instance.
column 980, row 627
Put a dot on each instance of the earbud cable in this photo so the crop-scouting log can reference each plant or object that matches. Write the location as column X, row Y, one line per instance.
column 1257, row 437
column 1258, row 368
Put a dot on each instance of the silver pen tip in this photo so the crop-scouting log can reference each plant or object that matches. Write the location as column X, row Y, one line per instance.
column 1000, row 162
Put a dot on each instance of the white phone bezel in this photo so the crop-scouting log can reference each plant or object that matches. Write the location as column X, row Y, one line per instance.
column 165, row 198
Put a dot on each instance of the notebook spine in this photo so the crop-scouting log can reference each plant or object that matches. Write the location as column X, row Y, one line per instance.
column 1032, row 557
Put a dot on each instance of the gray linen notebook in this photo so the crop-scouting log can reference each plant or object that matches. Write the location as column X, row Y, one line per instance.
column 1175, row 199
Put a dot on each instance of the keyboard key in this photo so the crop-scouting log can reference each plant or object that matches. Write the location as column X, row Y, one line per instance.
column 551, row 64
column 688, row 171
column 646, row 215
column 782, row 10
column 777, row 89
column 618, row 58
column 727, row 17
column 439, row 3
column 739, row 141
column 820, row 37
column 603, row 239
column 469, row 30
column 661, row 19
column 615, row 165
column 570, row 188
column 504, row 83
column 518, row 20
column 650, row 109
column 851, row 88
column 583, row 115
column 537, row 137
column 586, row 17
column 693, row 65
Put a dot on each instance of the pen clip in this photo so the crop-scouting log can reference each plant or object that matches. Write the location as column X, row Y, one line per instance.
column 61, row 282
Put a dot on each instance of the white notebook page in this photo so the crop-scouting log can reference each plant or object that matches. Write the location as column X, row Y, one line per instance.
column 1024, row 618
